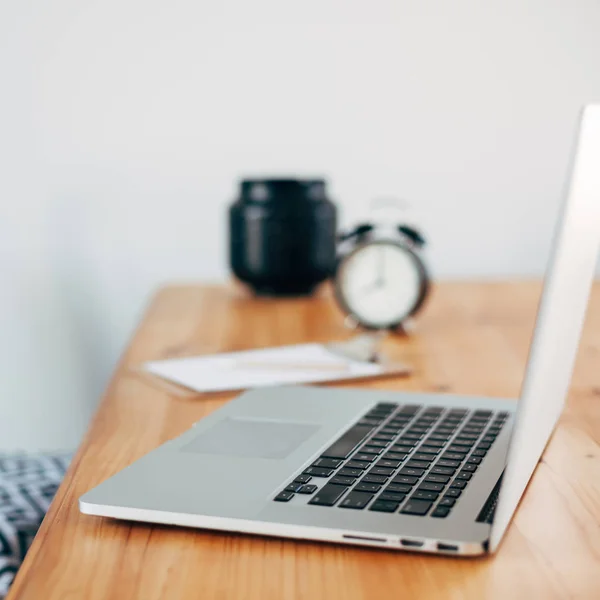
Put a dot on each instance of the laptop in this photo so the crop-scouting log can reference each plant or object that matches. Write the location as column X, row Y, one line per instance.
column 404, row 471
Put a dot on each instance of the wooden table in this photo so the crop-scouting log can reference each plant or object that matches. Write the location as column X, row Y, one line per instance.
column 473, row 338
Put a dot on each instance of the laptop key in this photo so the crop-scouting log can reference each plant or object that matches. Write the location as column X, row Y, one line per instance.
column 441, row 512
column 376, row 470
column 371, row 449
column 479, row 452
column 469, row 467
column 372, row 488
column 459, row 484
column 328, row 463
column 405, row 479
column 338, row 480
column 418, row 495
column 401, row 488
column 356, row 500
column 417, row 464
column 374, row 479
column 293, row 487
column 429, row 449
column 318, row 472
column 391, row 496
column 442, row 471
column 395, row 456
column 464, row 475
column 475, row 460
column 363, row 456
column 411, row 471
column 401, row 449
column 430, row 486
column 350, row 440
column 350, row 472
column 453, row 493
column 416, row 507
column 303, row 478
column 420, row 456
column 384, row 462
column 378, row 444
column 453, row 456
column 447, row 501
column 357, row 464
column 284, row 497
column 384, row 506
column 308, row 489
column 438, row 478
column 328, row 495
column 447, row 463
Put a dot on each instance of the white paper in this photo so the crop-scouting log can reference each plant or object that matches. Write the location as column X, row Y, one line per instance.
column 260, row 368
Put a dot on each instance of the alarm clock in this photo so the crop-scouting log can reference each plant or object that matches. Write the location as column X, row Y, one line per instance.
column 380, row 279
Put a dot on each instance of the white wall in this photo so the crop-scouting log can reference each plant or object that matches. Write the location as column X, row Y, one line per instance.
column 124, row 125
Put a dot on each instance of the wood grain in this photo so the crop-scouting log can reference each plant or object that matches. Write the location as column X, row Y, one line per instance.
column 472, row 338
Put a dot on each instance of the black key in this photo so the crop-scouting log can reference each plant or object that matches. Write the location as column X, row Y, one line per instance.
column 369, row 422
column 437, row 478
column 395, row 456
column 427, row 449
column 308, row 489
column 391, row 406
column 441, row 512
column 458, row 449
column 356, row 500
column 374, row 479
column 424, row 457
column 293, row 487
column 337, row 480
column 411, row 436
column 372, row 488
column 442, row 471
column 459, row 484
column 377, row 444
column 284, row 497
column 444, row 431
column 405, row 479
column 346, row 472
column 436, row 437
column 328, row 495
column 412, row 472
column 469, row 467
column 430, row 486
column 328, row 463
column 345, row 445
column 401, row 448
column 318, row 472
column 448, row 463
column 479, row 452
column 452, row 456
column 303, row 478
column 392, row 497
column 424, row 495
column 502, row 415
column 416, row 507
column 464, row 475
column 381, row 471
column 447, row 501
column 419, row 430
column 384, row 462
column 474, row 460
column 383, row 506
column 390, row 431
column 410, row 409
column 469, row 436
column 398, row 488
column 357, row 464
column 483, row 413
column 462, row 443
column 364, row 456
column 434, row 443
column 371, row 449
column 453, row 493
column 417, row 464
column 384, row 437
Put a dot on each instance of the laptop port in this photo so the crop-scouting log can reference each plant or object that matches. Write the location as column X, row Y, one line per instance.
column 447, row 547
column 412, row 543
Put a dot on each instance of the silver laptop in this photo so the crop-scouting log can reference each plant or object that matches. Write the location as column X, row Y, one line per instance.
column 427, row 472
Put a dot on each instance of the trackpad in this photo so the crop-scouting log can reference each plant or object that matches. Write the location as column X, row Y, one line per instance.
column 252, row 438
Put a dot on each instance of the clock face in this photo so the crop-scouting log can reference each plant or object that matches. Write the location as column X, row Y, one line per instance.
column 380, row 284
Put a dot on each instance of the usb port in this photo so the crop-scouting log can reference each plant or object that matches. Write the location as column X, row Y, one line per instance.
column 412, row 543
column 447, row 547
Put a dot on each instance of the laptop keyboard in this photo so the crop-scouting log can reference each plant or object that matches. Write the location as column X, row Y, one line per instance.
column 409, row 459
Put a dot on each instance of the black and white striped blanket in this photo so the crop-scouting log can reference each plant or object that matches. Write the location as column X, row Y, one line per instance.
column 27, row 486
